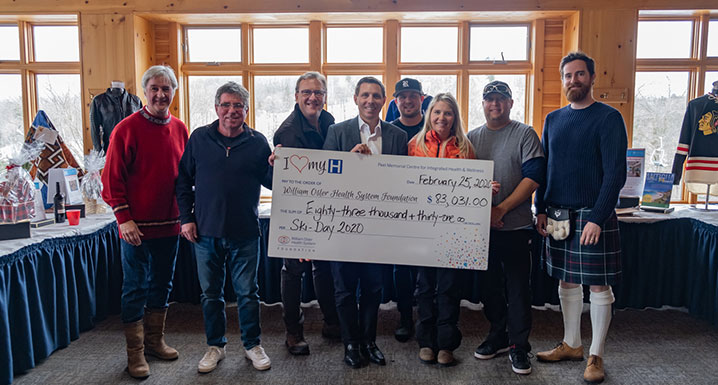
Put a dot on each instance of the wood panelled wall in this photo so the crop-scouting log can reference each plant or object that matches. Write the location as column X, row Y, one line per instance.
column 551, row 84
column 610, row 37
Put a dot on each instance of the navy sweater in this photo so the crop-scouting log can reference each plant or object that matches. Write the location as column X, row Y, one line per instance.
column 586, row 160
column 226, row 174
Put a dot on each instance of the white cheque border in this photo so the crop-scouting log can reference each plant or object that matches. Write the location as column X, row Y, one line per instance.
column 380, row 209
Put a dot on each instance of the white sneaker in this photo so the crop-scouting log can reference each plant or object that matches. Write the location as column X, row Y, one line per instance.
column 209, row 362
column 259, row 358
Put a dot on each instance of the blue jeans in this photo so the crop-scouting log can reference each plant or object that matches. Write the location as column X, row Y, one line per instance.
column 242, row 259
column 147, row 275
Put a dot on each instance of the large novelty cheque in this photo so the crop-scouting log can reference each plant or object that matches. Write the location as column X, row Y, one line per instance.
column 345, row 206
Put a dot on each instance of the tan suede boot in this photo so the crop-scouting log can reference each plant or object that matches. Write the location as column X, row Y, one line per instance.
column 155, row 335
column 136, row 364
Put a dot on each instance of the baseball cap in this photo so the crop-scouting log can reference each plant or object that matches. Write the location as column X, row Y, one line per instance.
column 407, row 84
column 498, row 87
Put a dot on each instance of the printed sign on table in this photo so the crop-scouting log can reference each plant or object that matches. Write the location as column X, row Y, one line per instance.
column 344, row 206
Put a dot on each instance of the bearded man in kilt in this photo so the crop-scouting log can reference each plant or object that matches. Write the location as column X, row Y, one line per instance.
column 585, row 148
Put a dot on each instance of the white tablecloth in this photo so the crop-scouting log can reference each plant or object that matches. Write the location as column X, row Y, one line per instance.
column 87, row 225
column 681, row 211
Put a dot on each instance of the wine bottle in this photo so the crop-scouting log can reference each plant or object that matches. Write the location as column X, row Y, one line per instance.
column 59, row 201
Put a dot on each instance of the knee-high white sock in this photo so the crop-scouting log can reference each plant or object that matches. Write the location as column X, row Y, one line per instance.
column 600, row 319
column 571, row 307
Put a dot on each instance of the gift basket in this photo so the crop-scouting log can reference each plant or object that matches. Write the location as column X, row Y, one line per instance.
column 91, row 185
column 17, row 190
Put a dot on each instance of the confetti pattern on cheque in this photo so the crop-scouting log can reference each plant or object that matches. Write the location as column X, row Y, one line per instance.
column 463, row 250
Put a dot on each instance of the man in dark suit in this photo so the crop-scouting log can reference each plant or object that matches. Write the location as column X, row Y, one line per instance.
column 366, row 134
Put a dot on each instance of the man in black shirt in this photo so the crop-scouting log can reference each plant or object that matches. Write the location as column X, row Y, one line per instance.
column 306, row 127
column 409, row 96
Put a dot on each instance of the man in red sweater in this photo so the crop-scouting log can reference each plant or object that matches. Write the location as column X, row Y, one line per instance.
column 139, row 182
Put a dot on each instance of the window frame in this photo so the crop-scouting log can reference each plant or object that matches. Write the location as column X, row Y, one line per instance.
column 391, row 68
column 185, row 42
column 253, row 27
column 528, row 41
column 28, row 68
column 697, row 65
column 325, row 46
column 20, row 42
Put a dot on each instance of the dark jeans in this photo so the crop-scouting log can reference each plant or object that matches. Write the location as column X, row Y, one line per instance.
column 358, row 325
column 291, row 285
column 438, row 295
column 241, row 256
column 404, row 287
column 147, row 275
column 506, row 289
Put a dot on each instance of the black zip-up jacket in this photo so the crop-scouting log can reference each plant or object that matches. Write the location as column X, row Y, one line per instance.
column 226, row 181
column 106, row 110
column 296, row 132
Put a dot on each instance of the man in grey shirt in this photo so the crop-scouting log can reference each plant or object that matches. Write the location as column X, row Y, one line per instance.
column 519, row 166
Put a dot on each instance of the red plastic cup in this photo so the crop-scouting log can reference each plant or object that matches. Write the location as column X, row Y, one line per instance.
column 73, row 217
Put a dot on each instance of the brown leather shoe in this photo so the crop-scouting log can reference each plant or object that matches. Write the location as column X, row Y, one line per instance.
column 594, row 370
column 446, row 358
column 561, row 352
column 296, row 345
column 155, row 335
column 427, row 356
column 136, row 364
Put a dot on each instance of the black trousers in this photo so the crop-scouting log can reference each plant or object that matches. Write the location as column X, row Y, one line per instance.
column 291, row 286
column 438, row 295
column 358, row 324
column 404, row 287
column 506, row 288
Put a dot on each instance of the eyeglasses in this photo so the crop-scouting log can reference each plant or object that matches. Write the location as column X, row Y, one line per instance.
column 237, row 106
column 497, row 88
column 317, row 93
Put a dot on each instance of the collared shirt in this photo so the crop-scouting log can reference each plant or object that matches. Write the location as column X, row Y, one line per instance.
column 371, row 140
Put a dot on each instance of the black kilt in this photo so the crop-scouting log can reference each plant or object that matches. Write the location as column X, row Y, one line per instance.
column 598, row 264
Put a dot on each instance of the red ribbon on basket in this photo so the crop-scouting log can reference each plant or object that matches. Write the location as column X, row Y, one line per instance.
column 11, row 166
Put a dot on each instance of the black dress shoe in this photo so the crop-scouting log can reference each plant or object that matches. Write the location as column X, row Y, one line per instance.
column 372, row 352
column 353, row 356
column 403, row 333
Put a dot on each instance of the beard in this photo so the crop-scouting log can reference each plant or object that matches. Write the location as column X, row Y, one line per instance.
column 577, row 93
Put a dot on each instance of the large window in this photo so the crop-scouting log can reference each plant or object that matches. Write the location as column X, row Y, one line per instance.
column 429, row 44
column 498, row 43
column 671, row 65
column 660, row 103
column 518, row 91
column 11, row 125
column 435, row 84
column 713, row 38
column 10, row 47
column 59, row 97
column 345, row 52
column 340, row 95
column 202, row 91
column 366, row 45
column 664, row 39
column 56, row 43
column 711, row 77
column 43, row 68
column 273, row 101
column 281, row 45
column 202, row 45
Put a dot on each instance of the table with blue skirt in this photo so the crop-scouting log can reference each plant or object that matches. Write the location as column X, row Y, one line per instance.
column 55, row 287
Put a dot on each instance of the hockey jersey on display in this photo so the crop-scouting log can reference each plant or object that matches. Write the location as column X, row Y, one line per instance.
column 698, row 142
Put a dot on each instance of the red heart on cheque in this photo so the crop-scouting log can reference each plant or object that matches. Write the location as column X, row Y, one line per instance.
column 299, row 162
